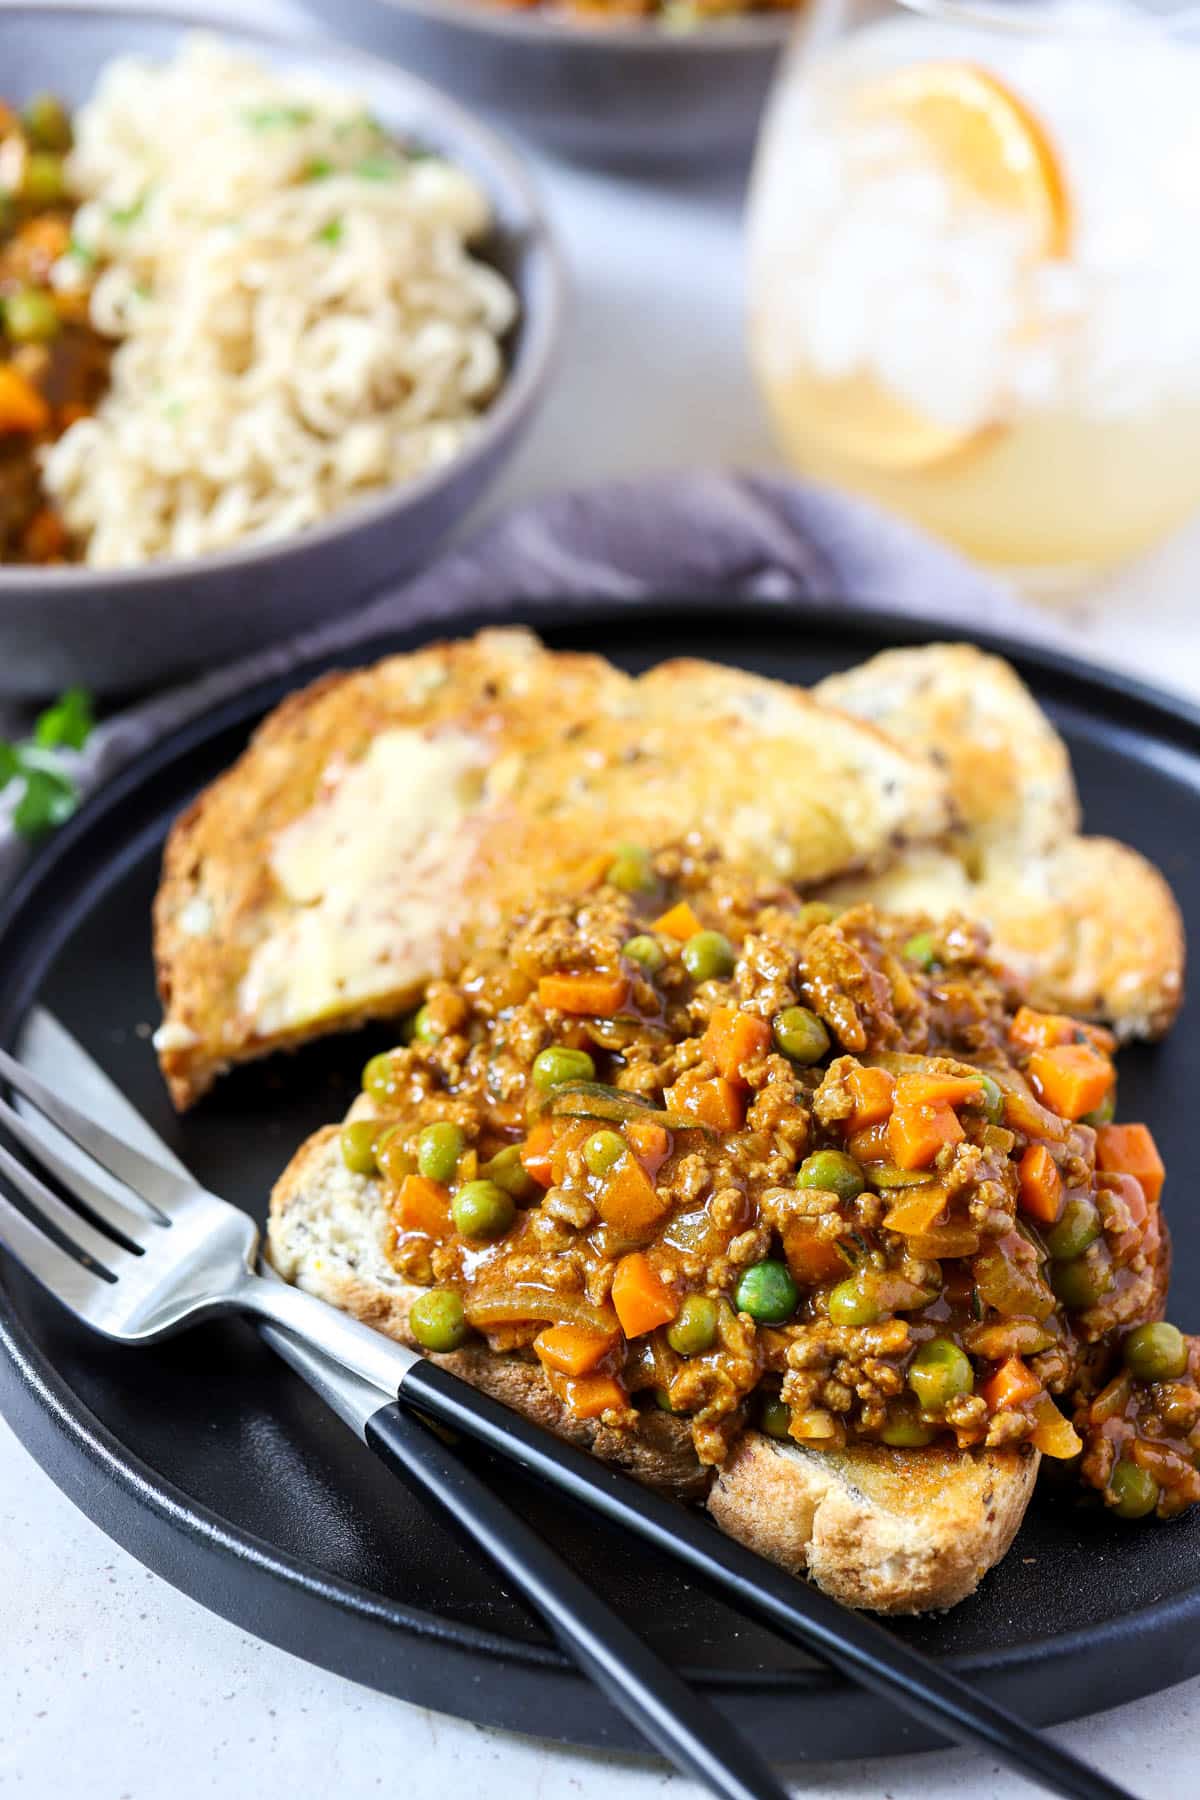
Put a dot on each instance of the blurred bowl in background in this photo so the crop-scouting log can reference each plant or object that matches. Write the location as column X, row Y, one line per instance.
column 636, row 94
column 121, row 630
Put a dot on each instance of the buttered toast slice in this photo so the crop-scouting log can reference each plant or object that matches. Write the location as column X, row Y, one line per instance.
column 1087, row 922
column 381, row 819
column 888, row 1530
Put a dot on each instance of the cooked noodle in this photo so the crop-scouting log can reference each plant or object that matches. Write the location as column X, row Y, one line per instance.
column 301, row 320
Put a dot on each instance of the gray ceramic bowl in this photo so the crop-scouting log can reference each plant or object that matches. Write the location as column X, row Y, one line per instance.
column 123, row 630
column 632, row 95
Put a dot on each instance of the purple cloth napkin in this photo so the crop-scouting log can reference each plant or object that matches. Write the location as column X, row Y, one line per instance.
column 704, row 537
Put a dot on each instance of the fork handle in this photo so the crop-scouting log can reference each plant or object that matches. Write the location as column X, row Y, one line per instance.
column 853, row 1643
column 692, row 1734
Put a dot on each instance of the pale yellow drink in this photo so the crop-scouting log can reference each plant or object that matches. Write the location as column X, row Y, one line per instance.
column 975, row 281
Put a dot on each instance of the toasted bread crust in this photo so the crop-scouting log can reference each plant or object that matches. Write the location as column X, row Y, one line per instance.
column 550, row 758
column 1009, row 770
column 1089, row 923
column 891, row 1531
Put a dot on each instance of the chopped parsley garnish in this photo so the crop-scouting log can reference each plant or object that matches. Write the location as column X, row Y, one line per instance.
column 331, row 233
column 273, row 118
column 377, row 168
column 47, row 794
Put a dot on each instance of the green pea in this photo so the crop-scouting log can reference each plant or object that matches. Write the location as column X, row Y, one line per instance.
column 508, row 1171
column 695, row 1326
column 1080, row 1283
column 921, row 949
column 556, row 1064
column 438, row 1149
column 775, row 1417
column 46, row 123
column 378, row 1078
column 1078, row 1228
column 662, row 1400
column 993, row 1100
column 1105, row 1113
column 646, row 951
column 438, row 1321
column 832, row 1171
column 481, row 1209
column 31, row 317
column 631, row 870
column 906, row 1430
column 1156, row 1352
column 1134, row 1491
column 425, row 1029
column 767, row 1292
column 602, row 1150
column 851, row 1303
column 44, row 182
column 940, row 1372
column 708, row 955
column 358, row 1147
column 800, row 1034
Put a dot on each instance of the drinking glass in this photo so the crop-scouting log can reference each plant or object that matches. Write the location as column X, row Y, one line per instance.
column 974, row 271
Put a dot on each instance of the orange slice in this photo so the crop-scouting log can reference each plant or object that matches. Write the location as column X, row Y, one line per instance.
column 984, row 137
column 996, row 151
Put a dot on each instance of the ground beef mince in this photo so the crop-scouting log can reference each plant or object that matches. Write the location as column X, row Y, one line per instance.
column 691, row 1142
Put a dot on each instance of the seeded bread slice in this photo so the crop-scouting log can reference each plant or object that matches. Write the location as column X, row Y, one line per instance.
column 892, row 1531
column 1091, row 925
column 381, row 820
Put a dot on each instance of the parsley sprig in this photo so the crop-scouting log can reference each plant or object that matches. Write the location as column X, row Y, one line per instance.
column 46, row 794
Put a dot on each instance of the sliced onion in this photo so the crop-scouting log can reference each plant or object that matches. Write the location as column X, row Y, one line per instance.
column 518, row 1305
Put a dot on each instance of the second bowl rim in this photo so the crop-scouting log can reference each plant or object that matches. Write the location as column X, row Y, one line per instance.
column 544, row 323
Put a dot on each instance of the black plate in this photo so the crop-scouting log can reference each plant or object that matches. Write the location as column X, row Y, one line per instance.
column 214, row 1464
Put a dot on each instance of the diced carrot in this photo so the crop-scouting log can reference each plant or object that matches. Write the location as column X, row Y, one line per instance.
column 734, row 1038
column 918, row 1210
column 422, row 1205
column 650, row 1143
column 587, row 1396
column 679, row 922
column 1011, row 1386
column 572, row 1349
column 917, row 1133
column 1131, row 1150
column 1040, row 1031
column 872, row 1091
column 1071, row 1078
column 535, row 1153
column 937, row 1090
column 1053, row 1434
column 22, row 408
column 629, row 1201
column 595, row 994
column 714, row 1101
column 641, row 1296
column 870, row 1144
column 1032, row 1030
column 1041, row 1188
column 812, row 1259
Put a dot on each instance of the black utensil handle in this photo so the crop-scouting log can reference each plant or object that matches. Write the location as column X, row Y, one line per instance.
column 853, row 1643
column 684, row 1727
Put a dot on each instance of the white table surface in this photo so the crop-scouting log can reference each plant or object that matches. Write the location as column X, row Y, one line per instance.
column 114, row 1686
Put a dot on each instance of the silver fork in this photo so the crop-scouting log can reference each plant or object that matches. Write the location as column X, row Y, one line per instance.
column 165, row 1253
